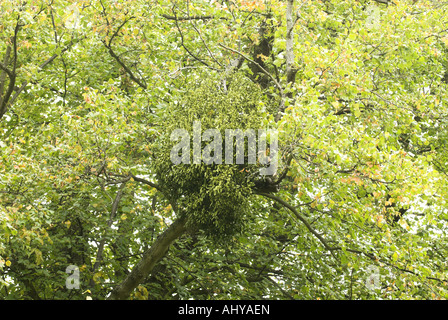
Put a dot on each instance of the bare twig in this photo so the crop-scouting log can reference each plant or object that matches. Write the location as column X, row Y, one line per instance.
column 140, row 82
column 302, row 219
column 176, row 18
column 99, row 255
column 186, row 48
column 206, row 46
column 277, row 84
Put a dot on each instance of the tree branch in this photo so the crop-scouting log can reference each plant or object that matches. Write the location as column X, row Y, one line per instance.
column 140, row 82
column 205, row 44
column 4, row 101
column 176, row 18
column 331, row 249
column 11, row 73
column 19, row 90
column 188, row 50
column 277, row 84
column 149, row 183
column 4, row 72
column 291, row 70
column 150, row 258
column 99, row 255
column 302, row 219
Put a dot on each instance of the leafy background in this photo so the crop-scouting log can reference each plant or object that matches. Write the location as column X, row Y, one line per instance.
column 359, row 102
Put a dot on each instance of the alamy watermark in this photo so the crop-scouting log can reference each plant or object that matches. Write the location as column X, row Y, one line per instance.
column 373, row 278
column 72, row 281
column 257, row 150
column 374, row 16
column 72, row 17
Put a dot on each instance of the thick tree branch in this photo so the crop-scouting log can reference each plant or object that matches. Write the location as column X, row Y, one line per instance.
column 11, row 73
column 126, row 68
column 150, row 258
column 5, row 69
column 4, row 72
column 285, row 171
column 19, row 90
column 291, row 69
column 6, row 101
column 140, row 82
column 149, row 183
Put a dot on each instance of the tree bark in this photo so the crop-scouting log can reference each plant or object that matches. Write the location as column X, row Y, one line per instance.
column 291, row 69
column 150, row 258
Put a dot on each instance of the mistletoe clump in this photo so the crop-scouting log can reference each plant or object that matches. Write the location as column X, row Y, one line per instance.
column 213, row 197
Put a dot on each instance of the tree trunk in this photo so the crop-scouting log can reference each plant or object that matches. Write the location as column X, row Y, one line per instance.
column 150, row 258
column 291, row 69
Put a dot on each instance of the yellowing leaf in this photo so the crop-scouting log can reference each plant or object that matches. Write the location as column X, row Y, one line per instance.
column 96, row 276
column 395, row 256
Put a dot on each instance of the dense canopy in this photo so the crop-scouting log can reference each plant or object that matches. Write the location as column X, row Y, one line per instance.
column 356, row 90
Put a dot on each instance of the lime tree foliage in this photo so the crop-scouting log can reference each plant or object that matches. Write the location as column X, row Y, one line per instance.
column 90, row 92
